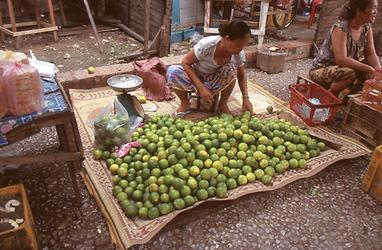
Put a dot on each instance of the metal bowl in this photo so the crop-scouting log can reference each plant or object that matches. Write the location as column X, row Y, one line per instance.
column 125, row 82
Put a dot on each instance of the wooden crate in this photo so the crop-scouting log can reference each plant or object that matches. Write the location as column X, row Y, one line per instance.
column 363, row 122
column 372, row 181
column 24, row 236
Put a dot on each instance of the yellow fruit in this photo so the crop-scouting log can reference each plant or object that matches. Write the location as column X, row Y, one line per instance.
column 142, row 99
column 91, row 70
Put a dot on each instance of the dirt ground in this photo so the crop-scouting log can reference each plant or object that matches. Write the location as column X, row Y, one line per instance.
column 342, row 216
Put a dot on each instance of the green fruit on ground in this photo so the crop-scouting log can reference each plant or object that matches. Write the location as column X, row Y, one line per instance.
column 231, row 183
column 192, row 183
column 321, row 146
column 121, row 196
column 242, row 180
column 174, row 194
column 117, row 189
column 221, row 192
column 237, row 134
column 313, row 153
column 270, row 109
column 137, row 195
column 302, row 163
column 164, row 208
column 263, row 140
column 194, row 171
column 293, row 163
column 189, row 200
column 202, row 155
column 97, row 154
column 241, row 155
column 263, row 163
column 214, row 172
column 218, row 165
column 312, row 144
column 221, row 178
column 291, row 148
column 251, row 177
column 153, row 213
column 266, row 179
column 296, row 155
column 123, row 183
column 131, row 210
column 246, row 169
column 233, row 173
column 208, row 163
column 143, row 212
column 279, row 168
column 165, row 197
column 186, row 190
column 202, row 194
column 114, row 168
column 153, row 187
column 205, row 174
column 258, row 155
column 259, row 173
column 203, row 184
column 177, row 183
column 270, row 171
column 122, row 172
column 116, row 179
column 211, row 191
column 179, row 204
column 183, row 174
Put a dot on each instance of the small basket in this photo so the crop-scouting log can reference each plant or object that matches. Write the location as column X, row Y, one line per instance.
column 313, row 114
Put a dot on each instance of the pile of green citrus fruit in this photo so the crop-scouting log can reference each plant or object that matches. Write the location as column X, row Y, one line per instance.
column 181, row 162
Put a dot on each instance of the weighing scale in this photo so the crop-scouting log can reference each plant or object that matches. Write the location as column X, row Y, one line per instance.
column 123, row 84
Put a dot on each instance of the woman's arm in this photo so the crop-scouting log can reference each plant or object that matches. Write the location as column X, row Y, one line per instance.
column 242, row 79
column 339, row 41
column 370, row 54
column 187, row 62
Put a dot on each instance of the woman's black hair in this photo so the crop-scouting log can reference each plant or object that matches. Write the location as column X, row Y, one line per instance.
column 235, row 29
column 352, row 7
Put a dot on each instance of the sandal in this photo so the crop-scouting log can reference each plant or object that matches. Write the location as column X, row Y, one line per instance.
column 181, row 114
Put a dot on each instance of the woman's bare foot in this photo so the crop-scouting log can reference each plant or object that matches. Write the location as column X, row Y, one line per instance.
column 223, row 108
column 184, row 106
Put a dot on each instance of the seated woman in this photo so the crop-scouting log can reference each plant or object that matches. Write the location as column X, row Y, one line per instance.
column 212, row 66
column 348, row 56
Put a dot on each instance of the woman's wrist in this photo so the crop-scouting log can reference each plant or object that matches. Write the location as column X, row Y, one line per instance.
column 246, row 96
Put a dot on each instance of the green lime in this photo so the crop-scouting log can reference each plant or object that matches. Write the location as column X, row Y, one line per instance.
column 259, row 173
column 266, row 179
column 189, row 200
column 164, row 208
column 221, row 192
column 231, row 183
column 202, row 194
column 153, row 213
column 131, row 210
column 251, row 177
column 242, row 180
column 174, row 194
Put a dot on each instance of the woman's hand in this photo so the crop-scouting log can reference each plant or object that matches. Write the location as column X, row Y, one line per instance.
column 206, row 95
column 247, row 105
column 370, row 72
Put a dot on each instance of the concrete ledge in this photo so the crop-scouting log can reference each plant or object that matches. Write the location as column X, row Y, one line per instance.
column 81, row 79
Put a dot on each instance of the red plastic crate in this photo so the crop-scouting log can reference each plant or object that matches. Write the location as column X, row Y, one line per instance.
column 313, row 114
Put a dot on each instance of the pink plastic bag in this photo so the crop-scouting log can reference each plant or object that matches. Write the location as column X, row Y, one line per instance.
column 21, row 84
column 153, row 73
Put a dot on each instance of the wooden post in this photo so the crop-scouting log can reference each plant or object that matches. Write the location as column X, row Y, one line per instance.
column 262, row 22
column 93, row 25
column 62, row 13
column 165, row 35
column 2, row 36
column 52, row 20
column 12, row 15
column 146, row 33
column 207, row 15
column 37, row 12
